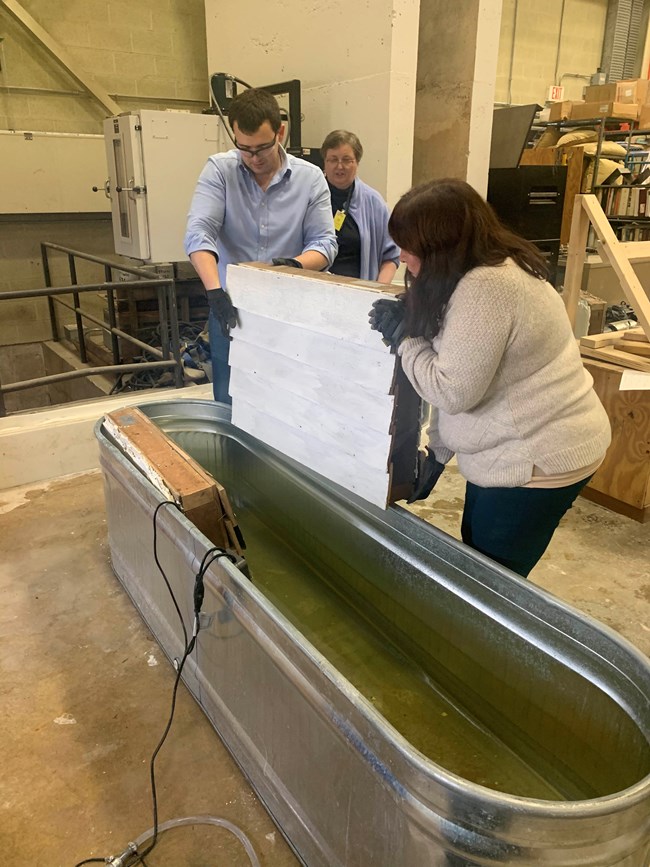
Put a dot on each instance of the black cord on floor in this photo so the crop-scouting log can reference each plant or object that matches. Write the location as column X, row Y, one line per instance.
column 209, row 557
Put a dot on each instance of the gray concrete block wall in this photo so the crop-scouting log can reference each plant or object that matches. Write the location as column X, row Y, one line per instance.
column 536, row 47
column 148, row 54
column 148, row 49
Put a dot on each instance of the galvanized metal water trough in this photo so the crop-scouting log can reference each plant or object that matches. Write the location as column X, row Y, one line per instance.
column 395, row 699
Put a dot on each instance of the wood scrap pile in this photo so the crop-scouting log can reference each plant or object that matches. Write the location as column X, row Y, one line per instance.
column 626, row 348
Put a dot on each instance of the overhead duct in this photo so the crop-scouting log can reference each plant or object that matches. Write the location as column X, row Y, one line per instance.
column 623, row 43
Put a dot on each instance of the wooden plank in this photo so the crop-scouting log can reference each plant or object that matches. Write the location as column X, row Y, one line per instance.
column 329, row 429
column 635, row 334
column 575, row 160
column 636, row 347
column 330, row 388
column 307, row 299
column 372, row 368
column 346, row 471
column 609, row 353
column 176, row 475
column 635, row 250
column 575, row 260
column 609, row 338
column 634, row 291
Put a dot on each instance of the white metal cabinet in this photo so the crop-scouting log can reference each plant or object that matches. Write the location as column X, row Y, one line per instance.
column 154, row 160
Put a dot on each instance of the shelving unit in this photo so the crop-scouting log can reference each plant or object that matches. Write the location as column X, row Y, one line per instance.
column 575, row 156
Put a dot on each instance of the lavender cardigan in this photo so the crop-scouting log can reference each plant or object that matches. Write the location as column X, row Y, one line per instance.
column 370, row 212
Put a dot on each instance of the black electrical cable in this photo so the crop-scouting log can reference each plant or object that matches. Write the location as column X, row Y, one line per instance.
column 209, row 557
column 160, row 568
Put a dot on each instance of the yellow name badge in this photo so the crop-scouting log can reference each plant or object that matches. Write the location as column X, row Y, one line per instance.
column 339, row 219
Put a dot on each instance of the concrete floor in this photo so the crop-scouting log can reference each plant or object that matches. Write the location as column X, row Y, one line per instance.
column 86, row 691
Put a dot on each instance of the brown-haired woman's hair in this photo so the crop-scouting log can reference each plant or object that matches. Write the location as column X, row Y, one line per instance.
column 251, row 108
column 339, row 137
column 451, row 229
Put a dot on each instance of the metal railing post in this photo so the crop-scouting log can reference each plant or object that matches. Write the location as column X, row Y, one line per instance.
column 174, row 335
column 50, row 300
column 112, row 319
column 81, row 337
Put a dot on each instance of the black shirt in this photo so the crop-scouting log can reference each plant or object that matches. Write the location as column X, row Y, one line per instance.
column 348, row 261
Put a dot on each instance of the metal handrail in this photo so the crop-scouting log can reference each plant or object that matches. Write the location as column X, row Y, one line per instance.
column 168, row 357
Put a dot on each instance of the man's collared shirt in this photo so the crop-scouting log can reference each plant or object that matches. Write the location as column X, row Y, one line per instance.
column 233, row 217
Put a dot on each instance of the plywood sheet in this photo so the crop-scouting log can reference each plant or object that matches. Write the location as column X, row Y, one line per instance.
column 311, row 379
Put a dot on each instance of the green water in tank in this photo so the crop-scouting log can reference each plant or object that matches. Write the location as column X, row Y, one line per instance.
column 398, row 687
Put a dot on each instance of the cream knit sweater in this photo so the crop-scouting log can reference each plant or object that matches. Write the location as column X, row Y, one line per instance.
column 507, row 381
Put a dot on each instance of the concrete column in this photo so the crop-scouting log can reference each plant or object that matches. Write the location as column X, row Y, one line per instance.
column 456, row 73
column 356, row 62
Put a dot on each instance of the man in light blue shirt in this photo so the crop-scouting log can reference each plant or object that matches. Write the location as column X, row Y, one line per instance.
column 254, row 203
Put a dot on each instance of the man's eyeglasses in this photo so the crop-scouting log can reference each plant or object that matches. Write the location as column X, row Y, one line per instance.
column 344, row 161
column 253, row 152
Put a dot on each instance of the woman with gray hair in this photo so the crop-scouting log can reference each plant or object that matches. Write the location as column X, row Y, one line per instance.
column 366, row 250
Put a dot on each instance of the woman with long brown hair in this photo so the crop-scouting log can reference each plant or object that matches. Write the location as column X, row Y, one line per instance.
column 486, row 341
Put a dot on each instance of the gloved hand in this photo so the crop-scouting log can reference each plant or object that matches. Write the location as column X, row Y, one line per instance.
column 291, row 263
column 387, row 317
column 222, row 309
column 428, row 472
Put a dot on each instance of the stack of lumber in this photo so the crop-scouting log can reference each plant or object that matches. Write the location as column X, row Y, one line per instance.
column 177, row 476
column 626, row 348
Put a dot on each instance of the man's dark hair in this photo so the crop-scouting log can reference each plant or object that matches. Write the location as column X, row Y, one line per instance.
column 251, row 108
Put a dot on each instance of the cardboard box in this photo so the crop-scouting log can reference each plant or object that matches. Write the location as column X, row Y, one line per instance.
column 632, row 91
column 644, row 117
column 587, row 110
column 561, row 110
column 601, row 93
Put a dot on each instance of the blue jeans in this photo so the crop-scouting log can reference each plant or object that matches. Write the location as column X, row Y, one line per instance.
column 515, row 525
column 219, row 352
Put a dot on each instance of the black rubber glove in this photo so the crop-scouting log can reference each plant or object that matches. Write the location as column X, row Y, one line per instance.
column 291, row 263
column 222, row 309
column 428, row 472
column 387, row 317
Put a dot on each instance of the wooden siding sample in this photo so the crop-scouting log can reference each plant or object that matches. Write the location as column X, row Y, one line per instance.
column 176, row 475
column 311, row 379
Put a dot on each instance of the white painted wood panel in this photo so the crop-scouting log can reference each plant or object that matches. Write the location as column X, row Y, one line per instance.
column 367, row 482
column 310, row 378
column 329, row 389
column 311, row 301
column 329, row 429
column 372, row 368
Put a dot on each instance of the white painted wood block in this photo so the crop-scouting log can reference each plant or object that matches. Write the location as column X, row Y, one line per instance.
column 310, row 378
column 306, row 299
column 353, row 475
column 328, row 428
column 329, row 389
column 373, row 369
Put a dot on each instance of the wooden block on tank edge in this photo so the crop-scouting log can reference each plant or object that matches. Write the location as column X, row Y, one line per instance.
column 171, row 470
